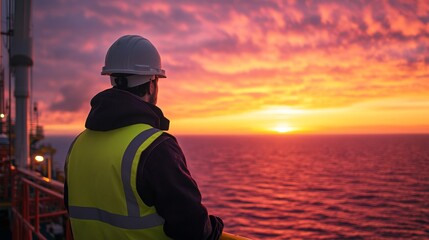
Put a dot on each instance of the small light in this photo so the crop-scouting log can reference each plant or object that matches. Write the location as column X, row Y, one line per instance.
column 39, row 158
column 2, row 115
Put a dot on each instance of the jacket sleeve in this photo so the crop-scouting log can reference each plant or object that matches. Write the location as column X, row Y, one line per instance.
column 164, row 181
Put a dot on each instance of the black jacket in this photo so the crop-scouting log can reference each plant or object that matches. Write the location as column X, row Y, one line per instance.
column 163, row 179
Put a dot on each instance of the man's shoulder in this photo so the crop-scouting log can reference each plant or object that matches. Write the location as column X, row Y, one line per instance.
column 165, row 142
column 165, row 150
column 166, row 138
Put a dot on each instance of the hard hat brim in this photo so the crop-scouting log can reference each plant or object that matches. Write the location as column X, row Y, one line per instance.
column 134, row 80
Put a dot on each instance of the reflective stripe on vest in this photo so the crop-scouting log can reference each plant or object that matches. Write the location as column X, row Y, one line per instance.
column 127, row 222
column 127, row 161
column 131, row 217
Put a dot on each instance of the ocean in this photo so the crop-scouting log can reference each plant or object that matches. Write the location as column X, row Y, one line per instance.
column 310, row 187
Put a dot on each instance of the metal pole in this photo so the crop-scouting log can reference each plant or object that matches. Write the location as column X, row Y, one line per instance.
column 22, row 146
column 21, row 61
column 49, row 162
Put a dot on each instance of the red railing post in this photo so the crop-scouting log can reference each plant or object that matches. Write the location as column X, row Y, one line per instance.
column 15, row 227
column 26, row 210
column 36, row 215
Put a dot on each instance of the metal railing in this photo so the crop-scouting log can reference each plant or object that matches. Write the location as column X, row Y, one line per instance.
column 37, row 207
column 229, row 236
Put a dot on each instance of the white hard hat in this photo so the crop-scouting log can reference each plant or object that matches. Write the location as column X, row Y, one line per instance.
column 134, row 55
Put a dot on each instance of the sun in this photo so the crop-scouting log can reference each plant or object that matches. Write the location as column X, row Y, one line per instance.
column 282, row 128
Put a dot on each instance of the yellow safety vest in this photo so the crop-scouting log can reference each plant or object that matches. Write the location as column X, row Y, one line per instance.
column 101, row 181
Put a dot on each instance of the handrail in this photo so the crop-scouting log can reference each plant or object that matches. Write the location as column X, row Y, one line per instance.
column 35, row 201
column 59, row 186
column 229, row 236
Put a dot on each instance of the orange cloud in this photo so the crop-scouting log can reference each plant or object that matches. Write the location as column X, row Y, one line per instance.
column 404, row 20
column 233, row 58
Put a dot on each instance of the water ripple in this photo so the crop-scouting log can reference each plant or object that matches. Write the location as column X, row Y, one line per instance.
column 315, row 187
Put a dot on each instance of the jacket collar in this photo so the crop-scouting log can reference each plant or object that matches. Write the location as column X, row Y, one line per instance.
column 114, row 108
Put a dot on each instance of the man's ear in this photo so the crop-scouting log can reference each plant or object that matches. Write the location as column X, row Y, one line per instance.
column 153, row 86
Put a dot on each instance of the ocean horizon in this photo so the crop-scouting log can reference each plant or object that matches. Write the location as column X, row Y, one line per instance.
column 62, row 142
column 324, row 186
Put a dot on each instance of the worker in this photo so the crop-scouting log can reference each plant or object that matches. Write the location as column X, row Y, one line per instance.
column 126, row 178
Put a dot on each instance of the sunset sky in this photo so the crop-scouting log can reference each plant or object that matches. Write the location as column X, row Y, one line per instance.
column 245, row 66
